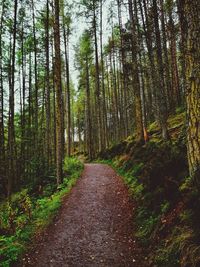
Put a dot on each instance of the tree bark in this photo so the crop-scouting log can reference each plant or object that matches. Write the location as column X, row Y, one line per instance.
column 160, row 93
column 59, row 101
column 88, row 114
column 65, row 35
column 192, row 10
column 2, row 129
column 11, row 126
column 97, row 81
column 48, row 105
column 135, row 76
column 36, row 80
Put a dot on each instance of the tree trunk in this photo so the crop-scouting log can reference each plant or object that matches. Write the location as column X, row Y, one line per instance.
column 59, row 102
column 48, row 106
column 88, row 114
column 68, row 92
column 167, row 77
column 135, row 76
column 36, row 80
column 160, row 93
column 174, row 65
column 104, row 113
column 123, row 76
column 183, row 32
column 192, row 10
column 11, row 126
column 97, row 82
column 2, row 130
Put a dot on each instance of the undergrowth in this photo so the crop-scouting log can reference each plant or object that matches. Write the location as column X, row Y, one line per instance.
column 27, row 213
column 156, row 174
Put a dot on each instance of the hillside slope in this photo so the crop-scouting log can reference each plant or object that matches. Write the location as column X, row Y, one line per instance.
column 157, row 176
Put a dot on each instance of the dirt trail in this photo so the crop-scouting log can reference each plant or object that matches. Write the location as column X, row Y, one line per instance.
column 94, row 226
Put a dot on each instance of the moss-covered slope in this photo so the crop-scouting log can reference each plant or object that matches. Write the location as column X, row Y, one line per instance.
column 157, row 175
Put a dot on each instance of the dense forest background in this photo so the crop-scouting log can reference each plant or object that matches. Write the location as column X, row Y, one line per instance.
column 143, row 72
column 135, row 64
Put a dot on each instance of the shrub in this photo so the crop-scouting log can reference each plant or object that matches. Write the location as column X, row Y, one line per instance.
column 72, row 166
column 27, row 214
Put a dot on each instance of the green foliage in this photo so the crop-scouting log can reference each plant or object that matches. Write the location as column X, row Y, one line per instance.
column 165, row 206
column 135, row 187
column 146, row 224
column 186, row 216
column 178, row 120
column 46, row 209
column 179, row 249
column 153, row 127
column 9, row 250
column 26, row 214
column 186, row 185
column 16, row 214
column 180, row 110
column 72, row 166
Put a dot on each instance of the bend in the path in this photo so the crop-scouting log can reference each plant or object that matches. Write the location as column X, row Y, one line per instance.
column 94, row 226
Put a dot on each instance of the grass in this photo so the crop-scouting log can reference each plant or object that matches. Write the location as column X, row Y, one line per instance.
column 26, row 215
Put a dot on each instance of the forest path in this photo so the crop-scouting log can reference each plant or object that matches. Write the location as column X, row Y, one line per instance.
column 94, row 226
